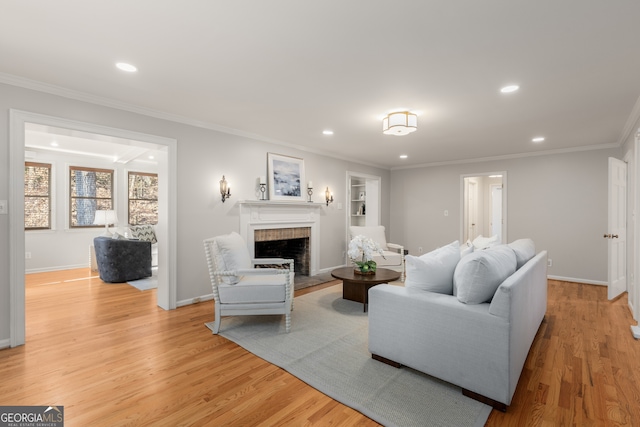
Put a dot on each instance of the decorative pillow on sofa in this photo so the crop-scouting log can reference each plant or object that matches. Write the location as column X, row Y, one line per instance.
column 433, row 271
column 524, row 249
column 232, row 254
column 478, row 275
column 144, row 233
column 466, row 250
column 481, row 242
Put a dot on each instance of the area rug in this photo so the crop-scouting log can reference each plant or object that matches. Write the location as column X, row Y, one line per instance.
column 145, row 284
column 327, row 349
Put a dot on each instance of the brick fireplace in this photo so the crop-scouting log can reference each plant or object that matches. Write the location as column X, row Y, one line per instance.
column 283, row 229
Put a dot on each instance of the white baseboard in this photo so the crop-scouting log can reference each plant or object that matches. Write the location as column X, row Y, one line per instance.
column 48, row 269
column 573, row 279
column 195, row 300
column 5, row 343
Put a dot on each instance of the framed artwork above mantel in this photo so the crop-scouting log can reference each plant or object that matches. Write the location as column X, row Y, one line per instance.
column 286, row 175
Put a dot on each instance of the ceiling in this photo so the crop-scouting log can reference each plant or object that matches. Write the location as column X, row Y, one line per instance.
column 285, row 70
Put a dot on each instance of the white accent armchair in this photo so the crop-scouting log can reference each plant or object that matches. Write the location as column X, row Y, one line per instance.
column 241, row 289
column 393, row 253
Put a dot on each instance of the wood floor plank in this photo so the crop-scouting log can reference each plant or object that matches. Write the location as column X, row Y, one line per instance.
column 113, row 358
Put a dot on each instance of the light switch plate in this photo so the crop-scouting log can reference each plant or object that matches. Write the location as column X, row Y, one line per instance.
column 4, row 207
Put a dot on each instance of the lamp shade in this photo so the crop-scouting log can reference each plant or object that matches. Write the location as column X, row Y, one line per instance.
column 399, row 123
column 105, row 217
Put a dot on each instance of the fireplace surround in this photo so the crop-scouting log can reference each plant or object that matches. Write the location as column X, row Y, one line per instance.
column 272, row 221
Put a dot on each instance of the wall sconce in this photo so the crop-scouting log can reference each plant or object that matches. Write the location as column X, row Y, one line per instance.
column 225, row 190
column 328, row 196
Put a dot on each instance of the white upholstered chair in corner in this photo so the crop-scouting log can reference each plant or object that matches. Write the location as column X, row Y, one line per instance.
column 393, row 253
column 241, row 289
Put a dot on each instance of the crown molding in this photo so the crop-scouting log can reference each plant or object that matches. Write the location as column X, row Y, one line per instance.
column 632, row 127
column 511, row 156
column 111, row 103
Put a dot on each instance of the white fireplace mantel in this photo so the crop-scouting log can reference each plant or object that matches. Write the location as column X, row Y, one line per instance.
column 265, row 214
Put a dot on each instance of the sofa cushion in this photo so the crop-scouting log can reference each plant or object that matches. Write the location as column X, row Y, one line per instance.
column 374, row 232
column 524, row 249
column 478, row 275
column 481, row 242
column 144, row 233
column 231, row 254
column 433, row 271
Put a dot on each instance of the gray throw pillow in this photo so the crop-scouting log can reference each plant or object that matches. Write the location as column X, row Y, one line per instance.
column 524, row 249
column 478, row 275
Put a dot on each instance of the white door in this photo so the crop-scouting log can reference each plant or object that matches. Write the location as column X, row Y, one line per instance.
column 496, row 211
column 617, row 223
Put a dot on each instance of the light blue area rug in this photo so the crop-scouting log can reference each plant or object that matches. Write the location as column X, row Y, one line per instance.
column 145, row 284
column 327, row 349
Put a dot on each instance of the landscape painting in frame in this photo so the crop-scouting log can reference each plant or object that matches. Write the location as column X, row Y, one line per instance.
column 286, row 175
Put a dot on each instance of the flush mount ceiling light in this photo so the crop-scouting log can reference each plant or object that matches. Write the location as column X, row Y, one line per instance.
column 327, row 132
column 403, row 156
column 399, row 123
column 126, row 67
column 538, row 139
column 510, row 88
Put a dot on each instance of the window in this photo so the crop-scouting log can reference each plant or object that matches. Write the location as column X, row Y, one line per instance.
column 143, row 198
column 90, row 190
column 37, row 196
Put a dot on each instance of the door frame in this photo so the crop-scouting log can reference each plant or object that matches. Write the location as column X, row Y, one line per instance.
column 504, row 201
column 167, row 205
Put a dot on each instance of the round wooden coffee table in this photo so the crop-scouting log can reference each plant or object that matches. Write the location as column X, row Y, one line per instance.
column 355, row 287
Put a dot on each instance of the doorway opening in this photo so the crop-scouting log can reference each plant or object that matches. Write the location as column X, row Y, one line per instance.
column 167, row 195
column 484, row 206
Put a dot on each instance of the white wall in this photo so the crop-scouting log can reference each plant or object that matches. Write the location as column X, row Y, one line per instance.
column 204, row 155
column 560, row 201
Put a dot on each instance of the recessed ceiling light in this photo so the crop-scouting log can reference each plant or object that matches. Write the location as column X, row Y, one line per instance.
column 327, row 132
column 538, row 139
column 54, row 143
column 510, row 88
column 126, row 67
column 151, row 157
column 403, row 156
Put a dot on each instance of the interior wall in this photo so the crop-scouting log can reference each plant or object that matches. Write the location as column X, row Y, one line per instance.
column 204, row 155
column 557, row 200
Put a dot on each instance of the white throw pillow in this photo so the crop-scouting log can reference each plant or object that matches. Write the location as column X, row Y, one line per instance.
column 433, row 271
column 485, row 242
column 232, row 254
column 478, row 275
column 374, row 232
column 465, row 250
column 524, row 249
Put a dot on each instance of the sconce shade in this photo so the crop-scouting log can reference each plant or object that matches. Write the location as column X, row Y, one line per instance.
column 399, row 123
column 225, row 190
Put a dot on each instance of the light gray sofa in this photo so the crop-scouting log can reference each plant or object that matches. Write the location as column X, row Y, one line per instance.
column 478, row 347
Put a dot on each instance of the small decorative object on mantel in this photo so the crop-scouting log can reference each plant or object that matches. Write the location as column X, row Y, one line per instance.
column 263, row 187
column 310, row 191
column 361, row 251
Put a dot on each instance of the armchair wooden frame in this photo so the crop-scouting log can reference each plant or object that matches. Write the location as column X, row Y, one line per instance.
column 250, row 308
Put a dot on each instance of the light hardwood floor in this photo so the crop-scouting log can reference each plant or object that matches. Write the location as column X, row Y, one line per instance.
column 111, row 357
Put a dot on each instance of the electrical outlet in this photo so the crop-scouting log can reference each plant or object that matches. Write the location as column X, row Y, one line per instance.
column 27, row 255
column 549, row 262
column 419, row 249
column 4, row 209
column 446, row 213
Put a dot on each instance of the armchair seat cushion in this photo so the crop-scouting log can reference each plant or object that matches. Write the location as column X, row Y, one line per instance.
column 254, row 289
column 390, row 259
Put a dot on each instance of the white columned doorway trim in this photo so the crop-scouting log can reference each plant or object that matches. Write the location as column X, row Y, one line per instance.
column 167, row 208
